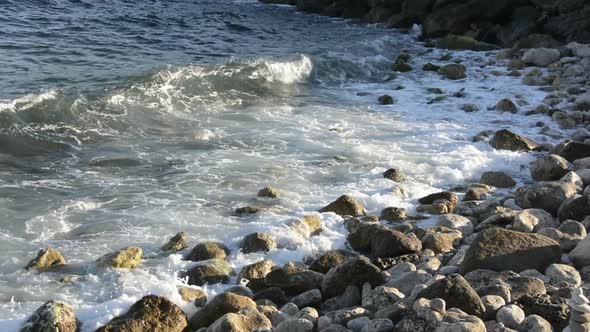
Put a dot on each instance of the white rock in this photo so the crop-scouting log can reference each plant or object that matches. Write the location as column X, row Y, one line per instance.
column 579, row 50
column 380, row 297
column 541, row 56
column 579, row 307
column 531, row 220
column 310, row 314
column 579, row 297
column 562, row 272
column 455, row 221
column 510, row 315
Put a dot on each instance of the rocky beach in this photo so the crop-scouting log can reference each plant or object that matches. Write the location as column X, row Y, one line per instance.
column 504, row 251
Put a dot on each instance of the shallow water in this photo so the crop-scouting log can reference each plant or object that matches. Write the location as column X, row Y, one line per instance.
column 125, row 122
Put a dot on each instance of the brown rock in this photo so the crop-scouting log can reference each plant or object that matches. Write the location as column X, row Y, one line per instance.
column 208, row 250
column 52, row 316
column 176, row 243
column 220, row 305
column 345, row 206
column 46, row 258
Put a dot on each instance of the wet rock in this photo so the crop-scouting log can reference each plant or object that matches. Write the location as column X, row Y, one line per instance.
column 438, row 203
column 247, row 210
column 469, row 108
column 308, row 226
column 52, row 316
column 257, row 242
column 176, row 243
column 506, row 140
column 209, row 272
column 269, row 192
column 394, row 174
column 328, row 260
column 455, row 42
column 354, row 271
column 497, row 179
column 255, row 274
column 394, row 214
column 379, row 241
column 401, row 66
column 572, row 150
column 126, row 258
column 151, row 313
column 483, row 136
column 245, row 320
column 293, row 279
column 385, row 100
column 456, row 292
column 563, row 273
column 510, row 315
column 506, row 105
column 541, row 57
column 549, row 168
column 198, row 296
column 46, row 258
column 208, row 250
column 453, row 71
column 220, row 305
column 583, row 101
column 499, row 249
column 345, row 206
column 430, row 67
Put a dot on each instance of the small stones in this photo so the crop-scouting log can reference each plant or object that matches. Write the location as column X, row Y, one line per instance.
column 394, row 174
column 46, row 258
column 506, row 105
column 345, row 206
column 126, row 258
column 497, row 179
column 208, row 250
column 257, row 242
column 510, row 315
column 385, row 100
column 176, row 243
column 269, row 192
column 453, row 71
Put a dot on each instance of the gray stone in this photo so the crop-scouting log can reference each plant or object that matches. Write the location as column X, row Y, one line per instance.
column 541, row 56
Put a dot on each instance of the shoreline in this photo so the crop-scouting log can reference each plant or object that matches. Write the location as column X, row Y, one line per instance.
column 419, row 254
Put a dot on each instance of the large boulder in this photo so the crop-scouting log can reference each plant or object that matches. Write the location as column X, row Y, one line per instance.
column 220, row 305
column 541, row 57
column 255, row 274
column 126, row 258
column 354, row 271
column 572, row 150
column 52, row 316
column 378, row 240
column 547, row 196
column 456, row 292
column 499, row 249
column 257, row 242
column 245, row 320
column 46, row 258
column 294, row 279
column 208, row 250
column 151, row 313
column 549, row 168
column 209, row 272
column 506, row 140
column 345, row 206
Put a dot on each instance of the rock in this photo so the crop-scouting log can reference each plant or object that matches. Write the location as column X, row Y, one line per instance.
column 394, row 174
column 151, row 313
column 549, row 168
column 506, row 140
column 345, row 206
column 438, row 203
column 328, row 260
column 455, row 221
column 571, row 150
column 506, row 105
column 350, row 298
column 308, row 226
column 52, row 316
column 257, row 242
column 578, row 208
column 308, row 299
column 255, row 274
column 126, row 258
column 580, row 256
column 532, row 220
column 354, row 271
column 209, row 272
column 46, row 258
column 357, row 324
column 541, row 57
column 535, row 323
column 401, row 66
column 380, row 297
column 269, row 192
column 220, row 305
column 379, row 325
column 583, row 101
column 453, row 71
column 385, row 100
column 469, row 108
column 491, row 304
column 510, row 315
column 405, row 282
column 582, row 163
column 273, row 294
column 440, row 242
column 455, row 42
column 563, row 120
column 579, row 50
column 344, row 316
column 456, row 292
column 563, row 273
column 394, row 214
column 176, row 243
column 499, row 249
column 245, row 320
column 293, row 279
column 198, row 296
column 497, row 179
column 208, row 250
column 554, row 310
column 545, row 195
column 430, row 67
column 379, row 241
column 295, row 325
